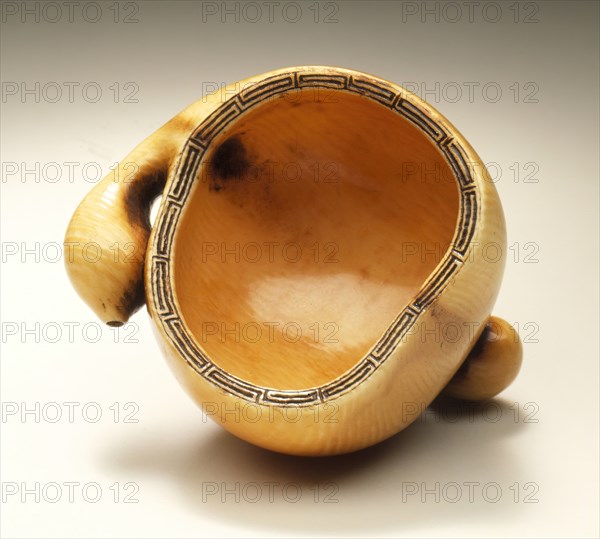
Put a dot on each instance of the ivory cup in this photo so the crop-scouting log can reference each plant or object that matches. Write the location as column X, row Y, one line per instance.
column 323, row 264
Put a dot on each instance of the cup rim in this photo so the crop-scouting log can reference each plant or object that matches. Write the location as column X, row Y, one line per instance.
column 160, row 295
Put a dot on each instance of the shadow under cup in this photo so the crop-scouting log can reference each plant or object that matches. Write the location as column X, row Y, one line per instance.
column 315, row 218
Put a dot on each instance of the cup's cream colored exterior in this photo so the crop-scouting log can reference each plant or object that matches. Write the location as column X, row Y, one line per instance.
column 399, row 389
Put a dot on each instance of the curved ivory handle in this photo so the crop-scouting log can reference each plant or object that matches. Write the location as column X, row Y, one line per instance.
column 109, row 230
column 490, row 366
column 107, row 237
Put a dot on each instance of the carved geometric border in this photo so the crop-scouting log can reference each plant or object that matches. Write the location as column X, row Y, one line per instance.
column 170, row 211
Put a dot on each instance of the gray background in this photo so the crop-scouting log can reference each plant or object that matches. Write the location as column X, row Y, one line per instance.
column 538, row 441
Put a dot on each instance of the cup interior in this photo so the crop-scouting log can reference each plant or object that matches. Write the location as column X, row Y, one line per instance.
column 316, row 216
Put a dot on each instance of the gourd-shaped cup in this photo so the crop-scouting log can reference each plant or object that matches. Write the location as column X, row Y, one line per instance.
column 323, row 263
